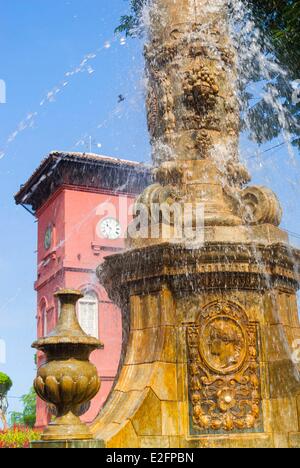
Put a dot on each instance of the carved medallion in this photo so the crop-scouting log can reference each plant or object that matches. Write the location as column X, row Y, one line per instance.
column 224, row 376
column 223, row 345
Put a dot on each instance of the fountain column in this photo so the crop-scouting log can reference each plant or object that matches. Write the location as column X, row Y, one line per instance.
column 212, row 322
column 193, row 112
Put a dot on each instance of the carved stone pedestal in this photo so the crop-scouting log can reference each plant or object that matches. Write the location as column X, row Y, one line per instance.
column 209, row 352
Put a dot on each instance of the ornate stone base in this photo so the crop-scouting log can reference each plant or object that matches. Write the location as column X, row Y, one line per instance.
column 209, row 352
column 68, row 427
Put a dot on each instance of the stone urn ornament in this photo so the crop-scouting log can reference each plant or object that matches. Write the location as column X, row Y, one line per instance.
column 67, row 380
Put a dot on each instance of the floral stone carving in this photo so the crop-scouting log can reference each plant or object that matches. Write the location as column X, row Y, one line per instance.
column 224, row 377
column 201, row 89
column 160, row 105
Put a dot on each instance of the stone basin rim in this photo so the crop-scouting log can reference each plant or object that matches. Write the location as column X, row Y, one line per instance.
column 180, row 246
column 224, row 252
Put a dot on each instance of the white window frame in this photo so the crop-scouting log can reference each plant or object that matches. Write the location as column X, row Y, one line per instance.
column 90, row 299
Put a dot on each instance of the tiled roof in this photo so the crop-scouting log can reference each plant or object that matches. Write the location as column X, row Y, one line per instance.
column 50, row 163
column 95, row 157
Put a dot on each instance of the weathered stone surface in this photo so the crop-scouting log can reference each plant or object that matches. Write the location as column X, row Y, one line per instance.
column 283, row 378
column 169, row 420
column 298, row 409
column 255, row 441
column 124, row 437
column 281, row 440
column 284, row 415
column 164, row 381
column 145, row 422
column 69, row 444
column 294, row 440
column 157, row 442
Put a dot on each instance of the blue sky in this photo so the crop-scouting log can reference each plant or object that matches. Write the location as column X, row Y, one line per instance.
column 41, row 41
column 42, row 47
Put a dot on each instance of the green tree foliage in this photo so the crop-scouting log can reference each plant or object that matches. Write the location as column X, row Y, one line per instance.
column 28, row 416
column 129, row 24
column 5, row 384
column 279, row 21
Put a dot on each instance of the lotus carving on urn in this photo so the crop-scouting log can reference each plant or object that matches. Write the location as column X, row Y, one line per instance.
column 67, row 380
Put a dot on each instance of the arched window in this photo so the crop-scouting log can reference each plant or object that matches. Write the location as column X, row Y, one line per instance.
column 44, row 319
column 88, row 314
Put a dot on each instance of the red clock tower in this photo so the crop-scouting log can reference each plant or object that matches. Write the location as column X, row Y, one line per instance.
column 82, row 205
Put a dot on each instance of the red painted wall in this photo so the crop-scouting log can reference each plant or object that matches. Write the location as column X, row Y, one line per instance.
column 76, row 250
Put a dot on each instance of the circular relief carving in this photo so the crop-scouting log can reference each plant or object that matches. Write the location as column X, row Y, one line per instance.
column 223, row 345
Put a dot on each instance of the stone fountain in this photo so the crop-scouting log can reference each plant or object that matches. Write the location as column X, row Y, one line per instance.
column 211, row 320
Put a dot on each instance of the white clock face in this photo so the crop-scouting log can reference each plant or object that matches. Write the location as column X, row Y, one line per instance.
column 48, row 238
column 110, row 229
